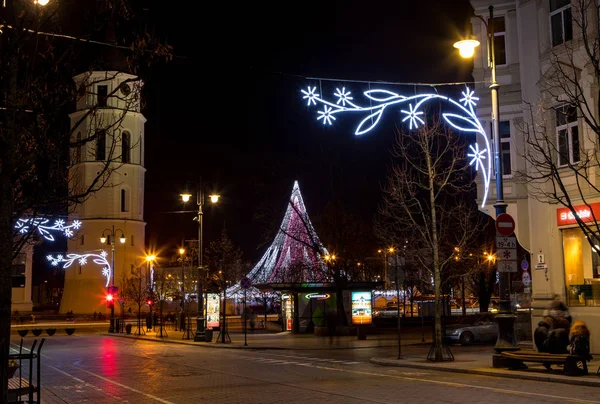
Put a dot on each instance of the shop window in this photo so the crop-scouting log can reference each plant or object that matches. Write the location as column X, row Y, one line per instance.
column 561, row 21
column 581, row 263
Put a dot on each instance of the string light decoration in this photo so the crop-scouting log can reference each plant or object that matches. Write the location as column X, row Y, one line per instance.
column 45, row 229
column 82, row 259
column 462, row 118
column 296, row 246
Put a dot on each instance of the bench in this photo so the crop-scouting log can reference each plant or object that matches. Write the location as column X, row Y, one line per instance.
column 18, row 387
column 573, row 365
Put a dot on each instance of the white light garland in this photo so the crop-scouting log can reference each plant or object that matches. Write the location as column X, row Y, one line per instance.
column 99, row 259
column 45, row 229
column 379, row 100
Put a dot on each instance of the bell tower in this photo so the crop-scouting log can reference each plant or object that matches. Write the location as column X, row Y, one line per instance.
column 109, row 130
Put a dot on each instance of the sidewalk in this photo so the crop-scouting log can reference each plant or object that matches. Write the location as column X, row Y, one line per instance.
column 478, row 360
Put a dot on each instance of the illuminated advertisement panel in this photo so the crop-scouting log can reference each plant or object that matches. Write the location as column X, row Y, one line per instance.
column 213, row 306
column 288, row 311
column 361, row 308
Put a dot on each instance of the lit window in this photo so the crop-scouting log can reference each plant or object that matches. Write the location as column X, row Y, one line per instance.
column 102, row 95
column 499, row 41
column 101, row 145
column 567, row 135
column 561, row 21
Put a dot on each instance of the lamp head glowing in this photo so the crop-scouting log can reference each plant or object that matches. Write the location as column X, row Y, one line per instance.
column 103, row 239
column 466, row 47
column 150, row 258
column 123, row 239
column 214, row 198
column 185, row 197
column 42, row 2
column 181, row 251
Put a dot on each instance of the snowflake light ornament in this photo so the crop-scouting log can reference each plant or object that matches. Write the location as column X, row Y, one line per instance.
column 343, row 96
column 413, row 116
column 310, row 95
column 82, row 259
column 326, row 115
column 458, row 114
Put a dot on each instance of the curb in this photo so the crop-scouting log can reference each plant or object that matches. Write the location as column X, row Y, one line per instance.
column 511, row 375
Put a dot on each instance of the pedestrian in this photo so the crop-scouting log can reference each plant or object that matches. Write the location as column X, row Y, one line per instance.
column 95, row 316
column 580, row 342
column 552, row 333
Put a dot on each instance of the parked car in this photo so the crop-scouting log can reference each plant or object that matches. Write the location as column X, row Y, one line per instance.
column 484, row 329
column 390, row 310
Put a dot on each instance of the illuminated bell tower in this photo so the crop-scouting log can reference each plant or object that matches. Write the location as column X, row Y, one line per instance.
column 107, row 113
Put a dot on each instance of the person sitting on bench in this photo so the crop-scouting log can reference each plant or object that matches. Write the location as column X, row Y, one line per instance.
column 552, row 333
column 580, row 342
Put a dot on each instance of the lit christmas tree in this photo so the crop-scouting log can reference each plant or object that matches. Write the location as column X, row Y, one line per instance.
column 296, row 254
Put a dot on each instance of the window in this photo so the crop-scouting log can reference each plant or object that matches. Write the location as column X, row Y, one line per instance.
column 101, row 145
column 102, row 95
column 78, row 148
column 561, row 21
column 124, row 201
column 125, row 147
column 504, row 128
column 567, row 134
column 499, row 41
column 504, row 132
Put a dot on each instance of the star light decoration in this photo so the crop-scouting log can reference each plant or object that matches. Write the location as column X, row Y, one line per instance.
column 462, row 117
column 82, row 259
column 43, row 227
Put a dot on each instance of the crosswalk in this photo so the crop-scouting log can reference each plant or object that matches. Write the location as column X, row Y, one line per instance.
column 298, row 360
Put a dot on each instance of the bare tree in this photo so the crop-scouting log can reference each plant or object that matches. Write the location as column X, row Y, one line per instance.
column 135, row 291
column 428, row 202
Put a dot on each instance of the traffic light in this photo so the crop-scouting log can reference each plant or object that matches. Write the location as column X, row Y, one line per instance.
column 149, row 302
column 110, row 301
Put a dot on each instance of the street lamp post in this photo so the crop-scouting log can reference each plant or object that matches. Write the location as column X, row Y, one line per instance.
column 109, row 235
column 506, row 339
column 200, row 320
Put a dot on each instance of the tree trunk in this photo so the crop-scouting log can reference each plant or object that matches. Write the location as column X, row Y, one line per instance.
column 437, row 278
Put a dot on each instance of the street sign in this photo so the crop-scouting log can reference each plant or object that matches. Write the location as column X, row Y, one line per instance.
column 507, row 266
column 505, row 224
column 541, row 266
column 245, row 282
column 507, row 254
column 506, row 242
column 526, row 278
column 524, row 265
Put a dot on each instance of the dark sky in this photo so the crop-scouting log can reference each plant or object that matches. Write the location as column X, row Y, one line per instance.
column 229, row 108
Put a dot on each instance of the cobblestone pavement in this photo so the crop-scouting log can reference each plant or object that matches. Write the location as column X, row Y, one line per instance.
column 101, row 369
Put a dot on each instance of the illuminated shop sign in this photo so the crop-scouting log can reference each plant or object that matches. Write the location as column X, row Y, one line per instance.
column 318, row 296
column 564, row 216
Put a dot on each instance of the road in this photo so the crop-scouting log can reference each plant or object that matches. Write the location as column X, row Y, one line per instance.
column 101, row 369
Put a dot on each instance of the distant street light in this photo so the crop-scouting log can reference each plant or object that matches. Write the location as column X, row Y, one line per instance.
column 214, row 198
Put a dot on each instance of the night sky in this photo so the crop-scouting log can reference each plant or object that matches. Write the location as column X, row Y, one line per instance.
column 229, row 108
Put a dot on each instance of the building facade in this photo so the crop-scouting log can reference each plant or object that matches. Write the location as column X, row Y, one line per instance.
column 108, row 116
column 549, row 106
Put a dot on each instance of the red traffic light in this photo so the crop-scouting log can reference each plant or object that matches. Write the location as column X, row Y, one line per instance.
column 149, row 302
column 109, row 297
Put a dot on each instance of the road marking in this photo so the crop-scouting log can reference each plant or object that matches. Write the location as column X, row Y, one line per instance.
column 85, row 384
column 151, row 396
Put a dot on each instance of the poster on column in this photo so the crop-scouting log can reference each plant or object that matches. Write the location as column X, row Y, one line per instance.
column 212, row 310
column 361, row 308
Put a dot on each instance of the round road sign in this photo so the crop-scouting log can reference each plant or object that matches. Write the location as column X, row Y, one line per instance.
column 505, row 224
column 524, row 265
column 245, row 282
